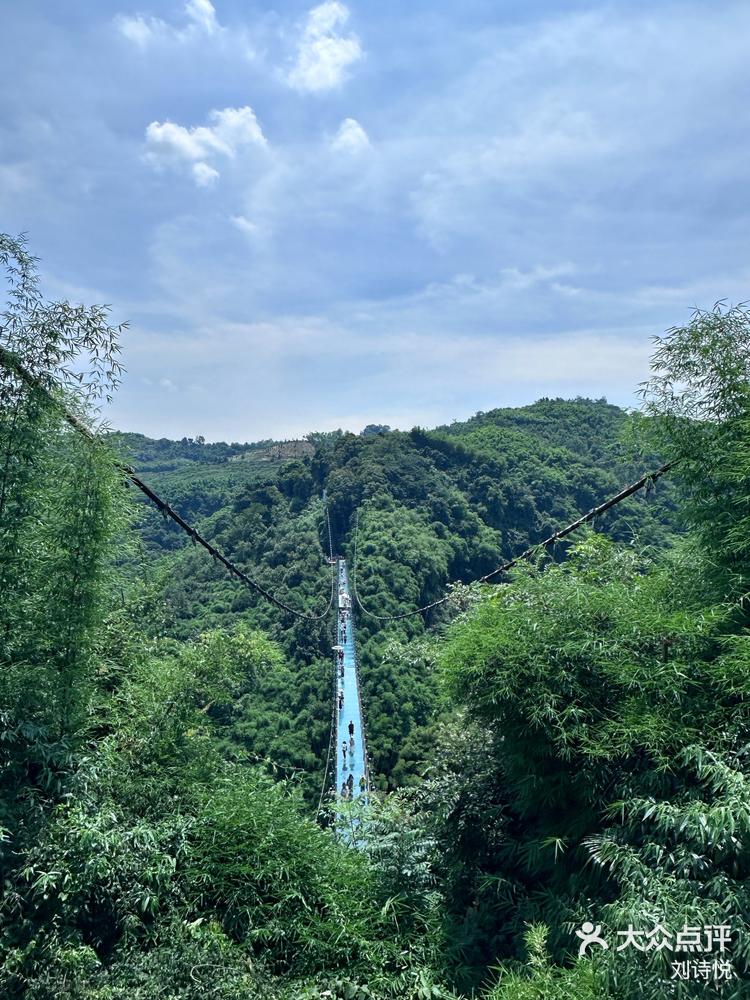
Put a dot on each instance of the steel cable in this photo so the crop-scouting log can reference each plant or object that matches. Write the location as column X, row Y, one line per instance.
column 646, row 481
column 8, row 359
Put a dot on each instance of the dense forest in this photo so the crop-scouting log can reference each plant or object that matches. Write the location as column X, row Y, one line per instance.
column 432, row 508
column 567, row 745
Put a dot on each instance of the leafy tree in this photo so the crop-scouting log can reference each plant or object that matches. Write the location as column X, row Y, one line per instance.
column 590, row 680
column 543, row 980
column 61, row 506
column 698, row 402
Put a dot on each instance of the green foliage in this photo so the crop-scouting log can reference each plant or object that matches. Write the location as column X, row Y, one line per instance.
column 281, row 885
column 199, row 479
column 544, row 981
column 159, row 835
column 401, row 852
column 61, row 507
column 593, row 659
column 404, row 707
column 438, row 506
column 190, row 961
column 590, row 681
column 698, row 401
column 68, row 349
column 573, row 744
column 679, row 859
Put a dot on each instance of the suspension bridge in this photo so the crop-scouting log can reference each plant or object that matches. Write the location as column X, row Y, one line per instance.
column 352, row 771
column 347, row 770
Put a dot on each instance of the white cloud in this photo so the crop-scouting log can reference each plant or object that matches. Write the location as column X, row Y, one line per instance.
column 139, row 30
column 168, row 384
column 551, row 137
column 324, row 20
column 244, row 225
column 323, row 53
column 202, row 14
column 203, row 175
column 190, row 144
column 351, row 137
column 230, row 131
column 447, row 376
column 143, row 30
column 519, row 280
column 16, row 179
column 238, row 127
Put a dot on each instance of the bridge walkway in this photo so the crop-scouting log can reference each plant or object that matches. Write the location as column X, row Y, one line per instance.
column 348, row 708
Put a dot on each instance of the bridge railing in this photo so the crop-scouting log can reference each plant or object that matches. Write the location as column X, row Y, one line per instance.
column 366, row 757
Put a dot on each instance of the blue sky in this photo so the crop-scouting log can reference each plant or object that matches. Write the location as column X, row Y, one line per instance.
column 320, row 216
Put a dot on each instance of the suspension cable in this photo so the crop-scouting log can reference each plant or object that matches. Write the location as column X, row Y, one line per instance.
column 329, row 753
column 9, row 360
column 328, row 523
column 644, row 481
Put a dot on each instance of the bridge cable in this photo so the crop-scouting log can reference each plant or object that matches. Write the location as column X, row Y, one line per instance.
column 8, row 359
column 644, row 482
column 329, row 753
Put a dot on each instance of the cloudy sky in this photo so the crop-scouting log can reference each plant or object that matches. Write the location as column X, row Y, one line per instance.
column 324, row 216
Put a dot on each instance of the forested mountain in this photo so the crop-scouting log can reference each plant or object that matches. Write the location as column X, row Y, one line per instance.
column 568, row 747
column 434, row 507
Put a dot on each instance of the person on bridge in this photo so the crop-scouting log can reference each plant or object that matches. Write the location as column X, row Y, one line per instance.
column 351, row 747
column 341, row 699
column 350, row 784
column 351, row 728
column 344, row 790
column 343, row 752
column 362, row 784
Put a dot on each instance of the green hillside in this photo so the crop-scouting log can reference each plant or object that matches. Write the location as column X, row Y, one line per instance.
column 435, row 507
column 566, row 748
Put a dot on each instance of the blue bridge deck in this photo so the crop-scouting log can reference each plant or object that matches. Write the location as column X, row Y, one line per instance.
column 355, row 762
